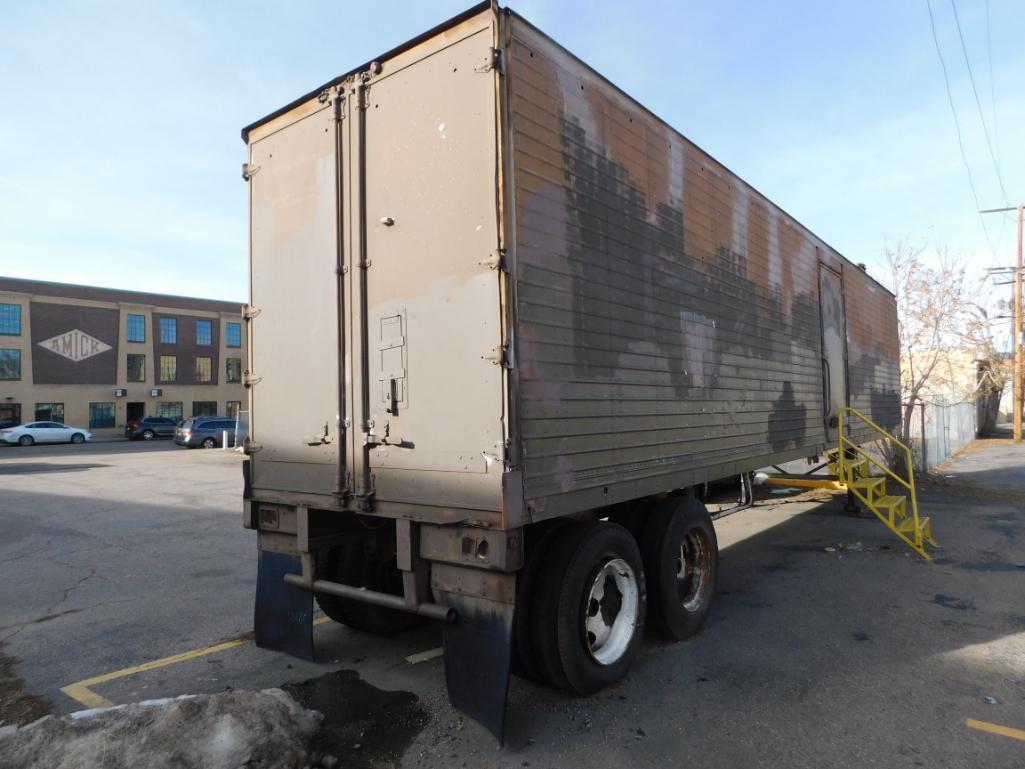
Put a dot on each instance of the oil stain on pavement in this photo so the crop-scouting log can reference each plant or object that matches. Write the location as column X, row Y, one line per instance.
column 363, row 726
column 16, row 705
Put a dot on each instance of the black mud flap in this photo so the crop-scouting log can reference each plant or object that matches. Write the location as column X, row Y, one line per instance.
column 284, row 614
column 478, row 650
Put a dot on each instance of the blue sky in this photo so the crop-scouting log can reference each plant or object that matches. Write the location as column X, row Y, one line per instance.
column 120, row 152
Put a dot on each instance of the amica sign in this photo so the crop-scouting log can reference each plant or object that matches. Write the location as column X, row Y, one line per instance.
column 75, row 345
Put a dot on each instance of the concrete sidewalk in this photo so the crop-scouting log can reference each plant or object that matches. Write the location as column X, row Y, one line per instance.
column 997, row 463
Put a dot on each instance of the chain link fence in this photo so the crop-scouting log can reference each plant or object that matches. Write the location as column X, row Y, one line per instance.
column 939, row 430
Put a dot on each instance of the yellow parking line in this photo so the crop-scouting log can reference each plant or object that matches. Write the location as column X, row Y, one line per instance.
column 80, row 691
column 1003, row 731
column 427, row 656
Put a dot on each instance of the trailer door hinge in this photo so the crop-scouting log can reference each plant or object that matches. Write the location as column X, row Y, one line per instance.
column 495, row 62
column 249, row 380
column 499, row 356
column 496, row 261
column 249, row 171
column 360, row 90
column 250, row 313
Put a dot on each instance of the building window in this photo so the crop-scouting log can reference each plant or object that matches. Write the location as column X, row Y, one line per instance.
column 204, row 408
column 169, row 331
column 170, row 409
column 10, row 364
column 168, row 368
column 204, row 369
column 10, row 414
column 137, row 368
column 204, row 333
column 10, row 319
column 233, row 370
column 232, row 408
column 101, row 415
column 49, row 412
column 234, row 334
column 136, row 328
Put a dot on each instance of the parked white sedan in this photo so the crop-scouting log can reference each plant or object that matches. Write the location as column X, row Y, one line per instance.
column 44, row 432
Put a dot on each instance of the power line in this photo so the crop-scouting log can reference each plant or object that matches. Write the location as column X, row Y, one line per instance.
column 957, row 126
column 992, row 90
column 978, row 103
column 993, row 118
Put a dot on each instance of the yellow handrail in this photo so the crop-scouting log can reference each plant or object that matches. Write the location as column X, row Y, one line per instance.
column 909, row 484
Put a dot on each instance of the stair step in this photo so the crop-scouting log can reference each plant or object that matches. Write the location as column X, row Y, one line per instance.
column 869, row 484
column 907, row 526
column 859, row 468
column 926, row 526
column 891, row 500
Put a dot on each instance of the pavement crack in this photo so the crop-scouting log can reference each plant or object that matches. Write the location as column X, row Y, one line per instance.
column 18, row 627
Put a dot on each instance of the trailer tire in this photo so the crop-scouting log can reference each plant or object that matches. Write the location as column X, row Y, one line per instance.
column 589, row 620
column 681, row 559
column 354, row 563
column 524, row 661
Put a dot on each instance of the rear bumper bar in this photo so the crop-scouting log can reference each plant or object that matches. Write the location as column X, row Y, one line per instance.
column 430, row 610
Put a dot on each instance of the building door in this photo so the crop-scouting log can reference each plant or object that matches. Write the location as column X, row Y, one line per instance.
column 834, row 348
column 134, row 411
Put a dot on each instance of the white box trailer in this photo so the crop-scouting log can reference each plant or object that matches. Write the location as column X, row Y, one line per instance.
column 502, row 321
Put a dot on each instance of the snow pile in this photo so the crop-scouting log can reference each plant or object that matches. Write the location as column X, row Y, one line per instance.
column 256, row 730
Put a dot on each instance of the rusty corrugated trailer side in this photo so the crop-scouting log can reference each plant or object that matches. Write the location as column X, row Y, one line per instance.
column 668, row 324
column 503, row 321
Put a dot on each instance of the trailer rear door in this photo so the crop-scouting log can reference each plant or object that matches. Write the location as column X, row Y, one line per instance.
column 294, row 303
column 431, row 375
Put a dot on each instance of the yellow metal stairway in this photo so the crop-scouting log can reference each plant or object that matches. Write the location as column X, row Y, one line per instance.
column 852, row 465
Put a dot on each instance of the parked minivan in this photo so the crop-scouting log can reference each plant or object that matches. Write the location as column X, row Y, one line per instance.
column 205, row 432
column 149, row 428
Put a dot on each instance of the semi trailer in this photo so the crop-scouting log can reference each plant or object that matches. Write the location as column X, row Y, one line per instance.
column 503, row 321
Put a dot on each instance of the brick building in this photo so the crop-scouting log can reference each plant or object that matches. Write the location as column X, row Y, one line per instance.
column 100, row 357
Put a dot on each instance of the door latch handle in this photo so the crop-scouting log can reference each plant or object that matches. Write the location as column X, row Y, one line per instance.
column 393, row 397
column 319, row 440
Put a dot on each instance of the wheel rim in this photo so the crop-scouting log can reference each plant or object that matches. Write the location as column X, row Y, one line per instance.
column 611, row 618
column 147, row 436
column 208, row 443
column 692, row 563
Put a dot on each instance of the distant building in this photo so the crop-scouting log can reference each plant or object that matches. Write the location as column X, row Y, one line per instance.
column 101, row 357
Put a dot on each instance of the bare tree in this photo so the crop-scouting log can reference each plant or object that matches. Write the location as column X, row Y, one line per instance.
column 943, row 325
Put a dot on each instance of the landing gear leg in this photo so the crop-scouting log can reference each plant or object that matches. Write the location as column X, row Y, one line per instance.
column 851, row 506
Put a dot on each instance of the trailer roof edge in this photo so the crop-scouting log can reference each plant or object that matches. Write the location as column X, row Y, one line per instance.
column 458, row 19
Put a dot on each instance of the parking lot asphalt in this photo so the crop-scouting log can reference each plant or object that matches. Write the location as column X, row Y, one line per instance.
column 125, row 574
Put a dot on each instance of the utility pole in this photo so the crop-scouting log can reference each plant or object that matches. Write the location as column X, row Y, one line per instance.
column 1019, row 353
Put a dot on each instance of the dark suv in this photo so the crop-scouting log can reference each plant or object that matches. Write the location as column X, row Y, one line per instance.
column 149, row 428
column 205, row 431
